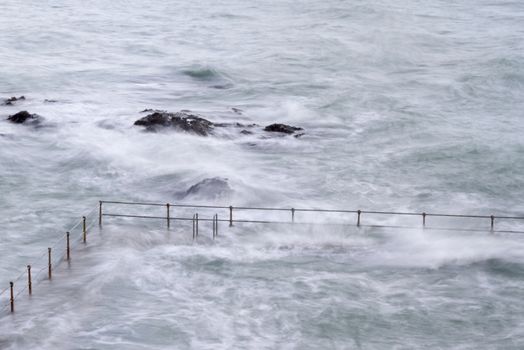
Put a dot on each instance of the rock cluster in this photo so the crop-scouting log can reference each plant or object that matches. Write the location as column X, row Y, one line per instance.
column 24, row 117
column 11, row 101
column 193, row 123
column 286, row 129
column 182, row 120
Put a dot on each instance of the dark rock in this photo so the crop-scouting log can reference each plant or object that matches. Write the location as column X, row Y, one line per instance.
column 237, row 110
column 182, row 120
column 212, row 188
column 50, row 101
column 246, row 132
column 12, row 100
column 283, row 128
column 23, row 117
column 299, row 135
column 222, row 86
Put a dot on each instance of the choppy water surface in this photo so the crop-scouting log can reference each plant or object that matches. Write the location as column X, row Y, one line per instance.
column 407, row 106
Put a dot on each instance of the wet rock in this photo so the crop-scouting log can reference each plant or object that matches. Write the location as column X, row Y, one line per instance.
column 50, row 101
column 211, row 188
column 235, row 125
column 282, row 128
column 11, row 101
column 222, row 86
column 183, row 120
column 246, row 132
column 24, row 117
column 237, row 110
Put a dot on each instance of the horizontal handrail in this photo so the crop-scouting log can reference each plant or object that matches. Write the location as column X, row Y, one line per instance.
column 307, row 223
column 40, row 261
column 62, row 254
column 472, row 216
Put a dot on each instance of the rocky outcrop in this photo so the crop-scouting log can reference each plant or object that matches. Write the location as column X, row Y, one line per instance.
column 190, row 122
column 11, row 101
column 282, row 128
column 183, row 120
column 209, row 188
column 24, row 117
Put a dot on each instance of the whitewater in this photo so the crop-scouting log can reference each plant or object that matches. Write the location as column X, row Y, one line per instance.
column 406, row 106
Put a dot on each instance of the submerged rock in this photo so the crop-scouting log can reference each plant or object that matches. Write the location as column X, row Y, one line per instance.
column 222, row 86
column 235, row 125
column 25, row 117
column 283, row 128
column 211, row 188
column 183, row 120
column 10, row 101
column 151, row 110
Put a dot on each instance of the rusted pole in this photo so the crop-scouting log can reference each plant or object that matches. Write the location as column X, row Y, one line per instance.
column 68, row 247
column 168, row 214
column 492, row 222
column 100, row 213
column 293, row 215
column 12, row 299
column 49, row 265
column 194, row 227
column 230, row 216
column 29, row 283
column 358, row 217
column 424, row 219
column 84, row 229
column 216, row 225
column 196, row 224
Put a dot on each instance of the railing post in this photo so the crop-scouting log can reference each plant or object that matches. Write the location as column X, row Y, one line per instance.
column 196, row 224
column 68, row 247
column 230, row 216
column 49, row 265
column 215, row 226
column 12, row 299
column 492, row 222
column 168, row 214
column 100, row 213
column 193, row 221
column 293, row 215
column 29, row 283
column 358, row 217
column 84, row 229
column 424, row 219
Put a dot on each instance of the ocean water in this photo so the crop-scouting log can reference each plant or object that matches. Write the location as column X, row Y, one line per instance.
column 406, row 106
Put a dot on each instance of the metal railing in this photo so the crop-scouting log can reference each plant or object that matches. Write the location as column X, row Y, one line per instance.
column 62, row 248
column 359, row 216
column 58, row 251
